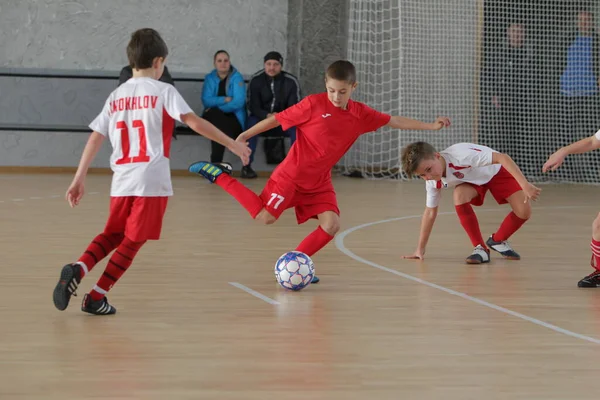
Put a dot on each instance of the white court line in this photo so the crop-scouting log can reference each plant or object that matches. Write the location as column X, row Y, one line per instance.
column 339, row 242
column 254, row 293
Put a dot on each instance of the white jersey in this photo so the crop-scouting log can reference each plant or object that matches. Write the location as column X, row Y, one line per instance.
column 138, row 119
column 465, row 162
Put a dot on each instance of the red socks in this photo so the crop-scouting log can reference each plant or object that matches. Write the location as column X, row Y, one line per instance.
column 101, row 246
column 246, row 197
column 469, row 222
column 116, row 267
column 509, row 226
column 314, row 242
column 595, row 245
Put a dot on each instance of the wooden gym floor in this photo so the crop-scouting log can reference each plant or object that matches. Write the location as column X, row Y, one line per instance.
column 191, row 322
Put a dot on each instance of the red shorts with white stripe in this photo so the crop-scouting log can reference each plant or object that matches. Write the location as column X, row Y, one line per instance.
column 279, row 195
column 139, row 218
column 502, row 186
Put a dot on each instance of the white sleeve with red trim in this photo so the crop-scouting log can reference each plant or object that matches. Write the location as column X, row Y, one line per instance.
column 175, row 105
column 434, row 193
column 471, row 155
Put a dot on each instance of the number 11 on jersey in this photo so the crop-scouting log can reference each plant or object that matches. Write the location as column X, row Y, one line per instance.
column 142, row 156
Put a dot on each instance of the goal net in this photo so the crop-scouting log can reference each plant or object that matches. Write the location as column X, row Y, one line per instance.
column 520, row 77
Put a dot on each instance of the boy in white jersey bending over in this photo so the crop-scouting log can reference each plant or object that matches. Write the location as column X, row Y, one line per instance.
column 472, row 170
column 554, row 161
column 138, row 120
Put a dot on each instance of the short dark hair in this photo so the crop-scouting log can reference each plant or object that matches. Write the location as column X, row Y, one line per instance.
column 414, row 154
column 144, row 46
column 219, row 52
column 342, row 70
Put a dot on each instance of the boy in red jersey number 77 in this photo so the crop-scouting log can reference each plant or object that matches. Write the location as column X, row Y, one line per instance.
column 327, row 125
column 138, row 119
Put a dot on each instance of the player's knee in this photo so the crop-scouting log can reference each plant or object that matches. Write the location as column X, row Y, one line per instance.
column 461, row 195
column 331, row 226
column 524, row 211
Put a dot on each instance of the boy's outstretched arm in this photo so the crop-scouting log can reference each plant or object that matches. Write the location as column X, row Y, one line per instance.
column 398, row 122
column 208, row 130
column 427, row 222
column 76, row 189
column 532, row 192
column 263, row 126
column 581, row 146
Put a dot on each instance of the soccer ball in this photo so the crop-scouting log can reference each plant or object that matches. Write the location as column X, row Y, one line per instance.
column 294, row 270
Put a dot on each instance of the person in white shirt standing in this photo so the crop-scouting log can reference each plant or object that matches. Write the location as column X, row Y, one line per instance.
column 137, row 118
column 472, row 170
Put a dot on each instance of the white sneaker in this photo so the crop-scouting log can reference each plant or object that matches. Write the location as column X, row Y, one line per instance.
column 479, row 256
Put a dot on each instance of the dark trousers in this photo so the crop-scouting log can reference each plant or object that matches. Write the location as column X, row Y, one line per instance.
column 275, row 132
column 509, row 129
column 226, row 122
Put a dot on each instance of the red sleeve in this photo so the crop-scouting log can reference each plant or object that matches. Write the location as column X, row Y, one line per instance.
column 295, row 115
column 371, row 120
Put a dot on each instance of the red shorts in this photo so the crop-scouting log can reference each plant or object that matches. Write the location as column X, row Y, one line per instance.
column 139, row 218
column 278, row 196
column 502, row 186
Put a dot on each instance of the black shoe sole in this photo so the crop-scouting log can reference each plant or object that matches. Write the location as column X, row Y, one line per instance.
column 61, row 295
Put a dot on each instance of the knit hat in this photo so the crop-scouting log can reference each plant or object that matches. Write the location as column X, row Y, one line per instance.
column 273, row 55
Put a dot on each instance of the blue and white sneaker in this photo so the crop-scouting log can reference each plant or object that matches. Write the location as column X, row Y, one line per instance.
column 479, row 256
column 210, row 171
column 503, row 248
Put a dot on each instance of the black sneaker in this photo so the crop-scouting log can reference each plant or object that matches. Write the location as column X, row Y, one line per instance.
column 70, row 277
column 479, row 256
column 503, row 248
column 590, row 281
column 226, row 167
column 315, row 279
column 248, row 173
column 99, row 307
column 208, row 170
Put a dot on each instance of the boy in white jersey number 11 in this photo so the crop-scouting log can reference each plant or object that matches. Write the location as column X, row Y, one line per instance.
column 138, row 120
column 472, row 170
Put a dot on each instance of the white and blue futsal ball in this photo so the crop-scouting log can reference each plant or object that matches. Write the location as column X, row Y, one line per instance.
column 294, row 270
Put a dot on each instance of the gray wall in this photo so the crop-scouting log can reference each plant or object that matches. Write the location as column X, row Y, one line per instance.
column 93, row 34
column 87, row 35
column 60, row 101
column 317, row 36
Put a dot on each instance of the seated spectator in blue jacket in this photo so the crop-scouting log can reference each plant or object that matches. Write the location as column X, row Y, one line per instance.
column 270, row 91
column 224, row 100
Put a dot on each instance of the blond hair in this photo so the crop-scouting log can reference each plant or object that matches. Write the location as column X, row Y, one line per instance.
column 414, row 154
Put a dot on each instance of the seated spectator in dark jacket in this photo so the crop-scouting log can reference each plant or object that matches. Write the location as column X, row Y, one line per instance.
column 270, row 91
column 127, row 73
column 224, row 100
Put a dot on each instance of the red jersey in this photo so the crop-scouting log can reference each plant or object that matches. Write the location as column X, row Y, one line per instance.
column 324, row 133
